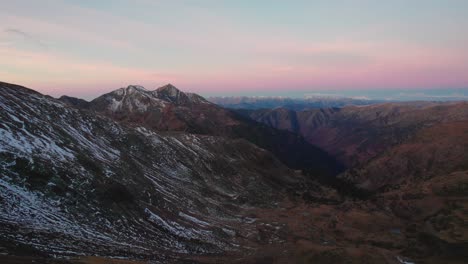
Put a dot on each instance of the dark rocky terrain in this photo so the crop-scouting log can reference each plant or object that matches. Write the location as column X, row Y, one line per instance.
column 400, row 155
column 139, row 176
column 356, row 134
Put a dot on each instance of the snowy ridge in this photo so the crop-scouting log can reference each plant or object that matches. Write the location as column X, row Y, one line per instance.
column 136, row 98
column 132, row 98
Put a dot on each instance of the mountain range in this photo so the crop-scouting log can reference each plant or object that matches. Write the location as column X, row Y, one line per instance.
column 308, row 102
column 169, row 109
column 163, row 176
column 383, row 144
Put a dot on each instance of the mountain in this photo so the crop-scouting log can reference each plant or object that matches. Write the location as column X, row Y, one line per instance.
column 385, row 143
column 77, row 183
column 297, row 104
column 76, row 186
column 164, row 109
column 412, row 159
column 356, row 134
column 169, row 109
column 431, row 151
column 170, row 93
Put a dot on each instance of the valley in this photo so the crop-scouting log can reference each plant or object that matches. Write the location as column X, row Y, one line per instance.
column 163, row 176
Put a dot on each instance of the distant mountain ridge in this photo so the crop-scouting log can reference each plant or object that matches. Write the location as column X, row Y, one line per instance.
column 382, row 143
column 310, row 102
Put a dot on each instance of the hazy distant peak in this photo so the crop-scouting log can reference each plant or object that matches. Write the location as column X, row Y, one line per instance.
column 262, row 102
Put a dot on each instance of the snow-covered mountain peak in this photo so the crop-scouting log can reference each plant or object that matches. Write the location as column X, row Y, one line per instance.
column 128, row 90
column 136, row 88
column 127, row 99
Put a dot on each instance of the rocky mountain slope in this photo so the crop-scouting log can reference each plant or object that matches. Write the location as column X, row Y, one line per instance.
column 356, row 134
column 169, row 109
column 411, row 156
column 431, row 151
column 78, row 186
column 74, row 183
column 386, row 141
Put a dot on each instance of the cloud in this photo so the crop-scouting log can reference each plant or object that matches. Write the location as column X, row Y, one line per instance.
column 25, row 37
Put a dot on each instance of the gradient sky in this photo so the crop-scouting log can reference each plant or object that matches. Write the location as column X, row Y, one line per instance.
column 86, row 47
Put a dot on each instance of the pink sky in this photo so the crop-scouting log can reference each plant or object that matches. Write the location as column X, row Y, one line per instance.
column 85, row 49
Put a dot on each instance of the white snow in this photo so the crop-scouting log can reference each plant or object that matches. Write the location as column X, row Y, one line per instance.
column 404, row 261
column 193, row 219
column 115, row 105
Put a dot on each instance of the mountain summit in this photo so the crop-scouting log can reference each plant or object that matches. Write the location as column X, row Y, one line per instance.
column 170, row 109
column 169, row 89
column 135, row 98
column 171, row 94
